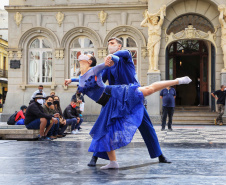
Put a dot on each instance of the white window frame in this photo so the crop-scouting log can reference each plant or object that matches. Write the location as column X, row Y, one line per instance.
column 39, row 50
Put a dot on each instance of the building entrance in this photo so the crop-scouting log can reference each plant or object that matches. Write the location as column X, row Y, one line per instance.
column 189, row 58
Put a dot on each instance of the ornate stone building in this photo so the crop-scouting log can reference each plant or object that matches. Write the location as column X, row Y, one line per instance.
column 47, row 36
column 3, row 70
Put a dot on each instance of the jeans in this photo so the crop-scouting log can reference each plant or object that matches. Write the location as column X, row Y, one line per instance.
column 167, row 111
column 220, row 112
column 62, row 129
column 73, row 123
column 54, row 129
column 20, row 122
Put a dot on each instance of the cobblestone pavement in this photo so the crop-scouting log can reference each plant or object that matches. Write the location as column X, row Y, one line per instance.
column 180, row 134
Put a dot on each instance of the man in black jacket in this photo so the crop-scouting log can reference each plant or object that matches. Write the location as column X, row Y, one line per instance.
column 35, row 118
column 72, row 116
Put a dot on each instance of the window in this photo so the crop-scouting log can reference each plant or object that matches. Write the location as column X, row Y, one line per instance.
column 129, row 44
column 81, row 45
column 40, row 61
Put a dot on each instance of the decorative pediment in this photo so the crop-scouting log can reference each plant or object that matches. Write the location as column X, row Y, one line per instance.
column 191, row 33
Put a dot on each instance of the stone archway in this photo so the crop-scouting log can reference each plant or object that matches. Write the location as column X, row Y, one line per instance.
column 80, row 31
column 35, row 32
column 128, row 30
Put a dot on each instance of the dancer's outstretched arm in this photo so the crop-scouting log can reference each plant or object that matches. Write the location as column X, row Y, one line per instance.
column 157, row 86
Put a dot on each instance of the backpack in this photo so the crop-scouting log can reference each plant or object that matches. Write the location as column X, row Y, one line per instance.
column 11, row 120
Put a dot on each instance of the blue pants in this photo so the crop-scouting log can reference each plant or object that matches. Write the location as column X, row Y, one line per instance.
column 73, row 123
column 54, row 129
column 167, row 111
column 149, row 136
column 20, row 122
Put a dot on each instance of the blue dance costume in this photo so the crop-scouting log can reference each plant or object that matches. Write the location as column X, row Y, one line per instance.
column 119, row 118
column 123, row 72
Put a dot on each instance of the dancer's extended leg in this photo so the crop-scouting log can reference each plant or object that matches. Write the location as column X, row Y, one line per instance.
column 157, row 86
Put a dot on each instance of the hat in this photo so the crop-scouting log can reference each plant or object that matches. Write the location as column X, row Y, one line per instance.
column 83, row 57
column 39, row 95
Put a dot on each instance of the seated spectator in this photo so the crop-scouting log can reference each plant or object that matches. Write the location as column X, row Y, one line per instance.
column 49, row 109
column 79, row 103
column 63, row 125
column 52, row 93
column 35, row 118
column 40, row 90
column 20, row 116
column 72, row 117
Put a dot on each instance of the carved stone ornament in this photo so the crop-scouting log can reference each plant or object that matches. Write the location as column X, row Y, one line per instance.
column 18, row 18
column 222, row 20
column 59, row 53
column 19, row 54
column 191, row 33
column 102, row 16
column 102, row 52
column 10, row 54
column 60, row 18
column 144, row 52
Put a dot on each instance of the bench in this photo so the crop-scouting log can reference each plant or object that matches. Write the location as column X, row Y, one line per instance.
column 17, row 132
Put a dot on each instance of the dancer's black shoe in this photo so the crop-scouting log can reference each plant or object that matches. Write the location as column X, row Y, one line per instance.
column 163, row 159
column 93, row 161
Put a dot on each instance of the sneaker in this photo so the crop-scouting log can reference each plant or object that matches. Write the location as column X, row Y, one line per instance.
column 74, row 131
column 221, row 124
column 162, row 129
column 43, row 138
column 215, row 122
column 170, row 129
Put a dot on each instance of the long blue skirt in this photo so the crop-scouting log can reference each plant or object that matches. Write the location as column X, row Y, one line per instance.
column 118, row 119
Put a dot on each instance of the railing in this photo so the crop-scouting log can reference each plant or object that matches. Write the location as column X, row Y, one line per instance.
column 3, row 73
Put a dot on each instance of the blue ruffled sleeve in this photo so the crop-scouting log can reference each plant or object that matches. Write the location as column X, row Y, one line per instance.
column 74, row 79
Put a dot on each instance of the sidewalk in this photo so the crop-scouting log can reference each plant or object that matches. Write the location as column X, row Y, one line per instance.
column 180, row 134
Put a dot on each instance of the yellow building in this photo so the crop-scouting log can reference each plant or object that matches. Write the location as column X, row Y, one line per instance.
column 3, row 71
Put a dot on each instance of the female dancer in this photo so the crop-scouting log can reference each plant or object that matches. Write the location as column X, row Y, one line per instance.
column 122, row 110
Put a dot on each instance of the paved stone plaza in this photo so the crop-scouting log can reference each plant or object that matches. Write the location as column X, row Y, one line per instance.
column 198, row 154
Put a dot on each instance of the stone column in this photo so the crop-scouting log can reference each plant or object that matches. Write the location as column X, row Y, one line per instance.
column 223, row 82
column 153, row 101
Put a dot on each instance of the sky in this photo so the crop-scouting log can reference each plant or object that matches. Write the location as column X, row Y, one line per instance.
column 3, row 3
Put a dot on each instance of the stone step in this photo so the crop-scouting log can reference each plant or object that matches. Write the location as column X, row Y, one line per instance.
column 19, row 132
column 192, row 108
column 178, row 122
column 195, row 114
column 192, row 118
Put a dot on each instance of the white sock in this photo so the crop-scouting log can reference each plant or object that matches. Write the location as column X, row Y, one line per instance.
column 184, row 80
column 112, row 164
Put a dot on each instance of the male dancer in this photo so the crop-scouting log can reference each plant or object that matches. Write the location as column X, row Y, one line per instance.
column 124, row 73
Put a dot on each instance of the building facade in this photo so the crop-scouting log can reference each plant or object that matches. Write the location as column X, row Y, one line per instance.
column 3, row 71
column 47, row 37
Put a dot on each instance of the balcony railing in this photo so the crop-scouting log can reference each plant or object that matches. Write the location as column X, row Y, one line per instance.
column 3, row 73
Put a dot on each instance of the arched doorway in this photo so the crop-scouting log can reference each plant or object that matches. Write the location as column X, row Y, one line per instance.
column 189, row 58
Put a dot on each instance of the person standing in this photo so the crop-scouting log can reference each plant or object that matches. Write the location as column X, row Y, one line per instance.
column 220, row 95
column 168, row 96
column 124, row 72
column 40, row 90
